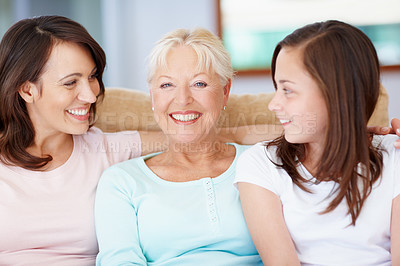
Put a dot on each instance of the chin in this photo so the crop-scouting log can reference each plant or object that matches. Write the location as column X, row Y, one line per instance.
column 185, row 140
column 78, row 130
column 294, row 138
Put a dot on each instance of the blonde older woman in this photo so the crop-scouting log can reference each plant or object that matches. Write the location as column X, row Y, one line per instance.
column 179, row 207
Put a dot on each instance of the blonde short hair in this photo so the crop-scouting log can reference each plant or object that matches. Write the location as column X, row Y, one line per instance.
column 209, row 48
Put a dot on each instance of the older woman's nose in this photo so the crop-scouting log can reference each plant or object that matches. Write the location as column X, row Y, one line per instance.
column 183, row 95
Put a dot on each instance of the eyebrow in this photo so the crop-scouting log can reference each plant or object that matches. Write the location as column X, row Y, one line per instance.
column 77, row 74
column 164, row 76
column 285, row 80
column 194, row 76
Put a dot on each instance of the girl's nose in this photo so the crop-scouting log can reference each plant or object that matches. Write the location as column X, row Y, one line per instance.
column 275, row 105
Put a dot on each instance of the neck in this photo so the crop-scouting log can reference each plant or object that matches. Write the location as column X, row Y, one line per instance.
column 59, row 146
column 313, row 157
column 196, row 152
column 51, row 142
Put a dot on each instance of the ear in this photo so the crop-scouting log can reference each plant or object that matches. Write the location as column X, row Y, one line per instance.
column 227, row 90
column 28, row 91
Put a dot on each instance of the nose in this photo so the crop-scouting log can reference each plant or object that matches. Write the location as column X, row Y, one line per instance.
column 183, row 95
column 275, row 105
column 88, row 92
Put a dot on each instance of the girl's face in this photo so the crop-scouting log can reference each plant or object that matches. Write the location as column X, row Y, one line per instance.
column 187, row 102
column 69, row 87
column 298, row 102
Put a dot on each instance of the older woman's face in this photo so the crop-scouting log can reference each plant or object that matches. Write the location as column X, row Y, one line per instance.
column 187, row 102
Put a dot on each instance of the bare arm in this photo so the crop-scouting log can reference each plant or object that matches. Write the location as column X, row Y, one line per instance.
column 395, row 220
column 263, row 212
column 396, row 128
column 395, row 232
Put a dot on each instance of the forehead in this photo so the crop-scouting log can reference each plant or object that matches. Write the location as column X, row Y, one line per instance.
column 69, row 52
column 181, row 55
column 290, row 57
column 182, row 59
column 69, row 57
column 290, row 61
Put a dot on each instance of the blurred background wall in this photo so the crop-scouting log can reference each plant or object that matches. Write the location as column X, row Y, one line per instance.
column 128, row 29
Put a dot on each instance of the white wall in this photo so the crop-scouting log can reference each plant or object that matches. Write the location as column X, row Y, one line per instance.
column 391, row 81
column 131, row 27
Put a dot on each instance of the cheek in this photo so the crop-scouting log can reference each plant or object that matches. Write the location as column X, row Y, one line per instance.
column 321, row 112
column 316, row 119
column 213, row 104
column 322, row 120
column 96, row 88
column 212, row 99
column 160, row 102
column 60, row 102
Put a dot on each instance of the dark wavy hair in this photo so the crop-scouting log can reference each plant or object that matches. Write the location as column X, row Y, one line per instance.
column 24, row 50
column 343, row 62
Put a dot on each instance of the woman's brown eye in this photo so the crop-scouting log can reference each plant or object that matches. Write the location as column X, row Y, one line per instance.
column 69, row 84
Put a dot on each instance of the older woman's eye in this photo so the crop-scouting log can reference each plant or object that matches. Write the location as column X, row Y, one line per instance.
column 165, row 85
column 200, row 84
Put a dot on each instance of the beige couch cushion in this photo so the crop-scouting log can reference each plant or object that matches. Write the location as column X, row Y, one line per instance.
column 128, row 109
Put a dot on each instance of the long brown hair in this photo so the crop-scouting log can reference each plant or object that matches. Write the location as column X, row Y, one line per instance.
column 24, row 51
column 343, row 62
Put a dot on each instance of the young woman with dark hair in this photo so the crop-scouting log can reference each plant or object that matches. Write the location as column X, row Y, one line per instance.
column 327, row 191
column 50, row 157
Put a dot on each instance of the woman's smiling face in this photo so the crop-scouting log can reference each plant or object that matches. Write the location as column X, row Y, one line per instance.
column 187, row 101
column 66, row 90
column 298, row 101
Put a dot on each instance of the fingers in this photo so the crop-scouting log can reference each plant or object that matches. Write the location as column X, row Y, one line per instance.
column 396, row 125
column 380, row 130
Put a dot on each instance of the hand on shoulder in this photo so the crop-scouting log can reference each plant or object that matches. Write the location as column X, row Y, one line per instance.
column 395, row 129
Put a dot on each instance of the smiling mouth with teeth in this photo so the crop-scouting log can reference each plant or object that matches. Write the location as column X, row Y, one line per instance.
column 285, row 121
column 80, row 112
column 185, row 118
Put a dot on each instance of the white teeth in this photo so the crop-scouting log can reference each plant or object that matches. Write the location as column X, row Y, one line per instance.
column 78, row 112
column 185, row 118
column 283, row 121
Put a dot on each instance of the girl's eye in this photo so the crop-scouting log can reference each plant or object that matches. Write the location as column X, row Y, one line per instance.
column 165, row 85
column 200, row 84
column 286, row 91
